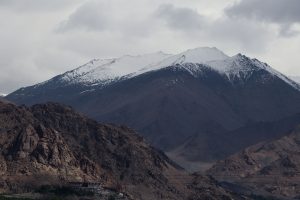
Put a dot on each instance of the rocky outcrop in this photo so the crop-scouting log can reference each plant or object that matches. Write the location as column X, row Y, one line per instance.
column 51, row 144
column 207, row 188
column 272, row 167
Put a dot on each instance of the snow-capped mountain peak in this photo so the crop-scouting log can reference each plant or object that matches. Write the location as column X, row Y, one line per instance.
column 233, row 66
column 199, row 55
column 202, row 55
column 105, row 71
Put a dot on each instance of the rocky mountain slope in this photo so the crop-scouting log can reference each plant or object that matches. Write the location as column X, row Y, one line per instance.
column 273, row 167
column 184, row 104
column 230, row 142
column 52, row 144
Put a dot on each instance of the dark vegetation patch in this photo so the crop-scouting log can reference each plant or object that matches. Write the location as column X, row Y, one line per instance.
column 63, row 191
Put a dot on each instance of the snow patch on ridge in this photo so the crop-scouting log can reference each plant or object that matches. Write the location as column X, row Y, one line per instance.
column 278, row 74
column 235, row 65
column 106, row 70
column 241, row 65
column 295, row 78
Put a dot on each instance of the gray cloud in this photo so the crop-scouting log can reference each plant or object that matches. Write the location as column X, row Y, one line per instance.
column 110, row 16
column 238, row 33
column 285, row 13
column 180, row 18
column 36, row 5
column 93, row 16
column 241, row 34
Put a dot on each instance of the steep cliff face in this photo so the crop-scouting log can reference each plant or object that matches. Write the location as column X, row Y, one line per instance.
column 52, row 144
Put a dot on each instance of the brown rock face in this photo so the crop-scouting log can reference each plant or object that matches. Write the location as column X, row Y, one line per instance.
column 273, row 167
column 29, row 149
column 207, row 188
column 52, row 144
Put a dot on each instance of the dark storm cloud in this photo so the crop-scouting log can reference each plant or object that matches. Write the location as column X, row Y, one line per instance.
column 285, row 13
column 180, row 18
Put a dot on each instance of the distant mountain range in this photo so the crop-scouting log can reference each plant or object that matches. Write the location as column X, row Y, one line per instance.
column 194, row 105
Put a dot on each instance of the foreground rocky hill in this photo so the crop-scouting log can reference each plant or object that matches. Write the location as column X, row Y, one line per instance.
column 51, row 144
column 271, row 167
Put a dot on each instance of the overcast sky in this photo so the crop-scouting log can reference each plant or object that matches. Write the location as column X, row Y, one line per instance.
column 43, row 38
